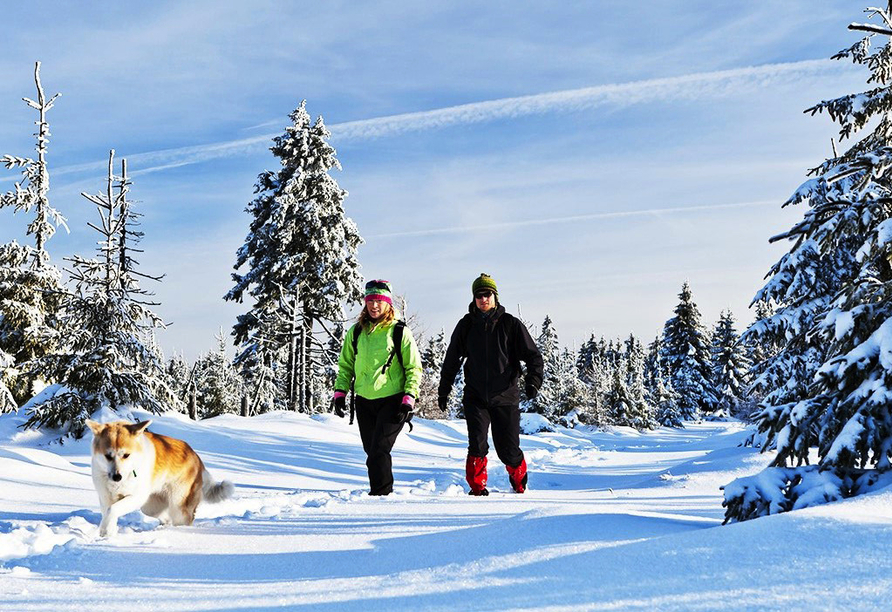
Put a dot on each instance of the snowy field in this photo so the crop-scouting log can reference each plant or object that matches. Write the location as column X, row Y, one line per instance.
column 612, row 521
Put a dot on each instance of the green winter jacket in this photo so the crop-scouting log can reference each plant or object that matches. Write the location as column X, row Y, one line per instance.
column 372, row 351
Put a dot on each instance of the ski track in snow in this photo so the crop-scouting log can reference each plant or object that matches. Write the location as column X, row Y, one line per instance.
column 616, row 520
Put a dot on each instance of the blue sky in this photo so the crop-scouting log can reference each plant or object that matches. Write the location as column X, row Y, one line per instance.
column 591, row 156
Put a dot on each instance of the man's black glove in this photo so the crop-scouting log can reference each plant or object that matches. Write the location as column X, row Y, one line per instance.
column 403, row 415
column 531, row 390
column 443, row 401
column 340, row 404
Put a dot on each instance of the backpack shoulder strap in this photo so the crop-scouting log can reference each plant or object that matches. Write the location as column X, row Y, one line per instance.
column 357, row 329
column 397, row 350
column 398, row 340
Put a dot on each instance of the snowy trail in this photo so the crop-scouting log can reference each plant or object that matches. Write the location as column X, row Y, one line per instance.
column 613, row 521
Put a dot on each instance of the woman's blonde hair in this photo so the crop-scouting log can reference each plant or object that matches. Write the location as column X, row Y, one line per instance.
column 365, row 319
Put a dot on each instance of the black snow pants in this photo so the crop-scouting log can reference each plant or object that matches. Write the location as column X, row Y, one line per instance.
column 378, row 432
column 505, row 430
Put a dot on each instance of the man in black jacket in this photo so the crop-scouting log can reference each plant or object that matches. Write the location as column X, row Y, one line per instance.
column 492, row 344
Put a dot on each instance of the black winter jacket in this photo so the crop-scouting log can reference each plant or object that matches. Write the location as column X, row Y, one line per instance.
column 492, row 348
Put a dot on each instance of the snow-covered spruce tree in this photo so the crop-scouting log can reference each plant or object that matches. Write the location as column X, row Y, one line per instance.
column 548, row 399
column 432, row 357
column 575, row 398
column 620, row 406
column 107, row 360
column 639, row 414
column 802, row 286
column 760, row 348
column 730, row 363
column 300, row 253
column 843, row 413
column 664, row 399
column 7, row 402
column 597, row 377
column 847, row 408
column 30, row 287
column 586, row 356
column 217, row 384
column 658, row 385
column 176, row 372
column 260, row 362
column 587, row 374
column 30, row 303
column 686, row 355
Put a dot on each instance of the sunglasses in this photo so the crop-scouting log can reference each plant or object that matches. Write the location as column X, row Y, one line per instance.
column 483, row 295
column 377, row 284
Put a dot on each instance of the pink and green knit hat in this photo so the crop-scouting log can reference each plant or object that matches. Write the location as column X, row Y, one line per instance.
column 379, row 290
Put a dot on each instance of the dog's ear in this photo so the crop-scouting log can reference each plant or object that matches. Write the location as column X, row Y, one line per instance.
column 95, row 427
column 138, row 428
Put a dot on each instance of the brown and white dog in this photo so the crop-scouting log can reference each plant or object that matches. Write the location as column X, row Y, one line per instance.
column 136, row 469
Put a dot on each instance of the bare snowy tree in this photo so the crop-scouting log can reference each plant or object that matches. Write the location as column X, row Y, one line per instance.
column 109, row 360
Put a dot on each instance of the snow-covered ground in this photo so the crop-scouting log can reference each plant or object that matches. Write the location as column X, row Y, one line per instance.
column 612, row 521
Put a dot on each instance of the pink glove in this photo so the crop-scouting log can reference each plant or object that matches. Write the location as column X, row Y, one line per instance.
column 409, row 402
column 339, row 401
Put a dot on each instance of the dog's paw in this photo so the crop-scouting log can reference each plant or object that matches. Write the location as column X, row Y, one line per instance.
column 108, row 529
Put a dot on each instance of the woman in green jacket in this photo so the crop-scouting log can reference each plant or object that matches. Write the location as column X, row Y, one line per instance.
column 386, row 378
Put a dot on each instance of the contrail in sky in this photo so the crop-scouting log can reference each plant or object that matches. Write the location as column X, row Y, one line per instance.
column 686, row 87
column 656, row 212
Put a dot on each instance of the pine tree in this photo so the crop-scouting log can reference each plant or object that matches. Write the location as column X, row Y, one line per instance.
column 217, row 383
column 574, row 398
column 589, row 373
column 653, row 363
column 658, row 387
column 665, row 401
column 300, row 254
column 260, row 363
column 761, row 348
column 431, row 363
column 30, row 287
column 547, row 401
column 7, row 402
column 730, row 363
column 107, row 323
column 30, row 304
column 802, row 286
column 620, row 405
column 686, row 355
column 586, row 357
column 639, row 414
column 176, row 373
column 32, row 192
column 843, row 248
column 599, row 377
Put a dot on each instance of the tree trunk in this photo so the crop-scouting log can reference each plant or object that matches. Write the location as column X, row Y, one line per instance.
column 293, row 362
column 307, row 336
column 302, row 335
column 193, row 405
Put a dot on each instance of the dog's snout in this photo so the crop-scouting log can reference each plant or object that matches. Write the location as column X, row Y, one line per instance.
column 116, row 476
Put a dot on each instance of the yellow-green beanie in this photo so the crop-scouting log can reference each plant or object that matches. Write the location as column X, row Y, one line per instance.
column 484, row 281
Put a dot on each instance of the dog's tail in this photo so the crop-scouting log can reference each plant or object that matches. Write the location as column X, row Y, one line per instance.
column 214, row 492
